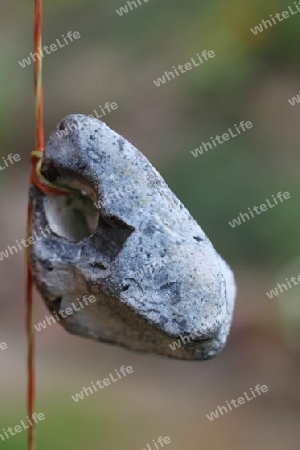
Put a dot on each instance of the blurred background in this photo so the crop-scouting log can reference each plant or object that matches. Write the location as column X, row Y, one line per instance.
column 251, row 78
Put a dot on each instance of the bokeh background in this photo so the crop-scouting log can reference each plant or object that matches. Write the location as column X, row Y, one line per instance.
column 251, row 78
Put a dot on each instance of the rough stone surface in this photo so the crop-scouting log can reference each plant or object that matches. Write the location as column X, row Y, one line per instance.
column 129, row 242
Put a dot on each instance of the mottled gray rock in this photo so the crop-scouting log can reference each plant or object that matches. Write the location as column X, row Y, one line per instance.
column 155, row 275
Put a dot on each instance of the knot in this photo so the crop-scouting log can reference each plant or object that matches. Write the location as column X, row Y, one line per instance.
column 41, row 182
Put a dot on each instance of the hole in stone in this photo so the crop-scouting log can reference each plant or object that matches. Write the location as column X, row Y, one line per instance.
column 125, row 288
column 98, row 265
column 197, row 238
column 112, row 235
column 48, row 266
column 54, row 306
column 75, row 216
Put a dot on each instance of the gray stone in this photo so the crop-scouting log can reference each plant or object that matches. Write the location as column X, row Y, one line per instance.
column 127, row 240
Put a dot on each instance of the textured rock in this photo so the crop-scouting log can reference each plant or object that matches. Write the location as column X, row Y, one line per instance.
column 129, row 242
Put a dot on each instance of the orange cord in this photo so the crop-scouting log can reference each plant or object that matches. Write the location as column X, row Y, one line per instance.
column 31, row 341
column 48, row 188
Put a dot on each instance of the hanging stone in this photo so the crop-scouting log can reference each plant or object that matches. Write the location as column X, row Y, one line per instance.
column 126, row 264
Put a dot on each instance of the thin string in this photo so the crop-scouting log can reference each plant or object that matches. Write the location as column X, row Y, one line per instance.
column 50, row 189
column 31, row 342
column 29, row 299
column 40, row 147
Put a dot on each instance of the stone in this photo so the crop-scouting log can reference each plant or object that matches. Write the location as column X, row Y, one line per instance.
column 124, row 238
